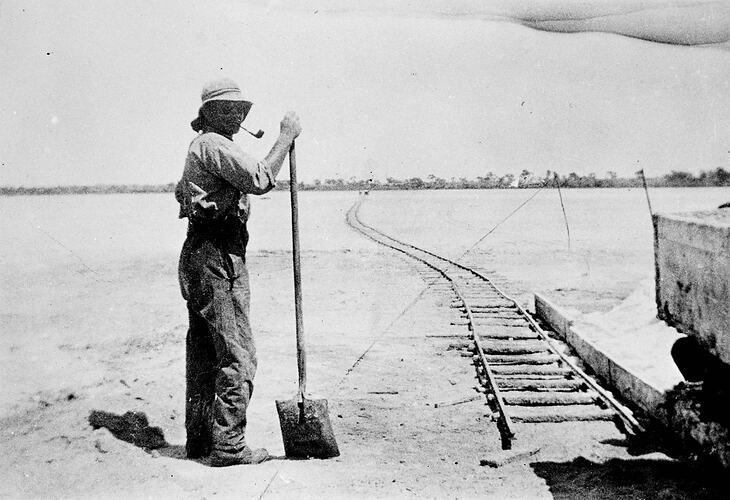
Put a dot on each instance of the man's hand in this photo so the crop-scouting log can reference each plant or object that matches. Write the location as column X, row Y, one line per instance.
column 290, row 125
column 290, row 129
column 198, row 197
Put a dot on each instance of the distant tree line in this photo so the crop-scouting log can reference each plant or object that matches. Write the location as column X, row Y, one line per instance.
column 95, row 189
column 526, row 179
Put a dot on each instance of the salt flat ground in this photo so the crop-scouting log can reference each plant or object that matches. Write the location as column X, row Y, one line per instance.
column 92, row 319
column 610, row 249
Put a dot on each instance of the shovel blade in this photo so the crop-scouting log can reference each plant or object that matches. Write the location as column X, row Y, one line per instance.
column 306, row 430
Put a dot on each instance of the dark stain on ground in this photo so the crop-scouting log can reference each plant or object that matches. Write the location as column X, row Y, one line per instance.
column 132, row 427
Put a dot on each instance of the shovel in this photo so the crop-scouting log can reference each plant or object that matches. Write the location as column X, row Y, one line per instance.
column 305, row 424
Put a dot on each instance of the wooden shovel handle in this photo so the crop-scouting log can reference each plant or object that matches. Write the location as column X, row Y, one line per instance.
column 301, row 353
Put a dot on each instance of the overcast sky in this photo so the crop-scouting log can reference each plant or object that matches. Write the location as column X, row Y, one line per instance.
column 103, row 92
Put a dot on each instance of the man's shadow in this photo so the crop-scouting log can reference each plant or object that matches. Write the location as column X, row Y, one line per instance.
column 133, row 427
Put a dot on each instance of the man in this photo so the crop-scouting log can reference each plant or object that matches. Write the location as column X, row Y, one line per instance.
column 213, row 195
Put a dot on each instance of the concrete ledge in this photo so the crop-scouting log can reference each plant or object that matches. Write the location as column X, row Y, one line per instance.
column 553, row 315
column 632, row 387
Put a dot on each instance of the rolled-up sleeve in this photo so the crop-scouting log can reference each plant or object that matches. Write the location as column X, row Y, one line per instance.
column 232, row 164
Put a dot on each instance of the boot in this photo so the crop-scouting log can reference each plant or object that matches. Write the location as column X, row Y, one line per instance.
column 245, row 456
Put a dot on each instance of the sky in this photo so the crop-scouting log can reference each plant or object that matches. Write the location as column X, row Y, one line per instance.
column 102, row 92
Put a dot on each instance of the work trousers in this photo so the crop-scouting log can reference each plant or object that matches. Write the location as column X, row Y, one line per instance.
column 220, row 350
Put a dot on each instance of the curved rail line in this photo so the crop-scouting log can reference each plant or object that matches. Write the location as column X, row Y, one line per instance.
column 525, row 374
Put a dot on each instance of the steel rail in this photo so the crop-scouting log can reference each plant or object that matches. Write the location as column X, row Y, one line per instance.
column 504, row 422
column 633, row 425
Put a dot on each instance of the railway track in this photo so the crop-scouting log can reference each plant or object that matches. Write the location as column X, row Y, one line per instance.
column 524, row 373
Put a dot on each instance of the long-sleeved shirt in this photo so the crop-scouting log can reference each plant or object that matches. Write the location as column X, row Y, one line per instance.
column 226, row 173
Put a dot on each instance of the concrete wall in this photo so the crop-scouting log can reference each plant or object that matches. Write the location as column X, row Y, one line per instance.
column 630, row 385
column 692, row 253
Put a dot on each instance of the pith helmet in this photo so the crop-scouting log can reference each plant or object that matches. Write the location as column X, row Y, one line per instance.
column 222, row 89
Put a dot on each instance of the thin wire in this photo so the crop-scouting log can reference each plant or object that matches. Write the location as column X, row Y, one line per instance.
column 502, row 221
column 565, row 216
column 50, row 236
column 382, row 334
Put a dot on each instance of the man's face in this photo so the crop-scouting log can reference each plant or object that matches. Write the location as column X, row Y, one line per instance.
column 225, row 116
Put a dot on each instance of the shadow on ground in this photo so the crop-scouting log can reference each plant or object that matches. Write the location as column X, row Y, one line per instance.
column 133, row 427
column 630, row 479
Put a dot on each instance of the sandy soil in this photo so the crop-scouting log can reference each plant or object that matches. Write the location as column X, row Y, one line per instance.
column 374, row 353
